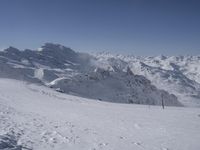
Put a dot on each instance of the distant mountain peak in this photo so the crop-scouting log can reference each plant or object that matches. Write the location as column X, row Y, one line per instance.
column 12, row 49
column 52, row 46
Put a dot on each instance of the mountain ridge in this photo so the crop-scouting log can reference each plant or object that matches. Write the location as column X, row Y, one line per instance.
column 54, row 62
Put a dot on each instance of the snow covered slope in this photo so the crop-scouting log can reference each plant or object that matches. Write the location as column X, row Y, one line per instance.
column 35, row 117
column 81, row 74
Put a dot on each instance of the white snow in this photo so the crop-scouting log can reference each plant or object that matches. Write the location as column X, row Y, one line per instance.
column 36, row 117
column 40, row 49
column 39, row 73
column 55, row 81
column 25, row 62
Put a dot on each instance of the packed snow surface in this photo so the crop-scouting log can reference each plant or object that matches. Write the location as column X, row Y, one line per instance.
column 35, row 117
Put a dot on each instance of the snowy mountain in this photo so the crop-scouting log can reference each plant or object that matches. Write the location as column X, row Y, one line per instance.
column 178, row 75
column 55, row 98
column 81, row 74
column 122, row 87
column 45, row 64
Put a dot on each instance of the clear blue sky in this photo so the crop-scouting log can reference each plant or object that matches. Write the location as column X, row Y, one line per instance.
column 140, row 27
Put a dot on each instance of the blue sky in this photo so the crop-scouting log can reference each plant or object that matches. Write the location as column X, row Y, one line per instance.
column 140, row 27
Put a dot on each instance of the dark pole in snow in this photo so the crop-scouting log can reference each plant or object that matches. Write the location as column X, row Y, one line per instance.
column 163, row 105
